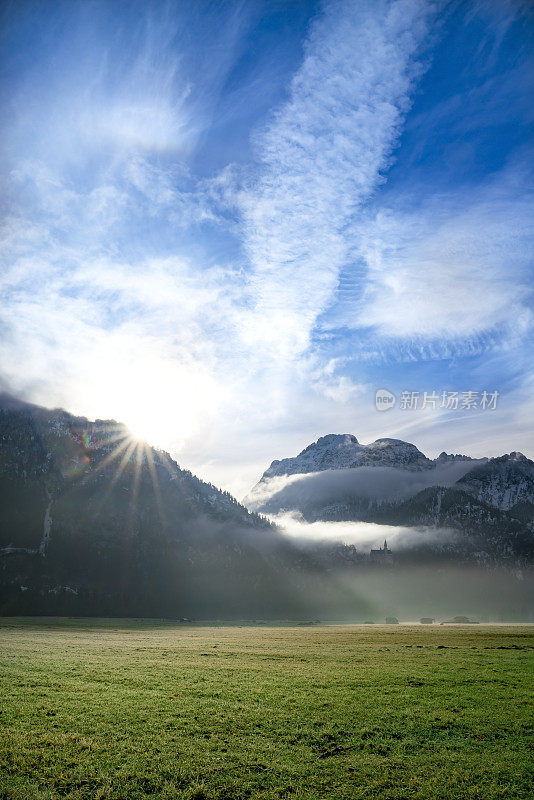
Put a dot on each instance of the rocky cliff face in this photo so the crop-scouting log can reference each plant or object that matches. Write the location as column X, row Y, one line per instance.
column 505, row 482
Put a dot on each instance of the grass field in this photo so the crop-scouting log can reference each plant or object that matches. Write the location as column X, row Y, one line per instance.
column 135, row 709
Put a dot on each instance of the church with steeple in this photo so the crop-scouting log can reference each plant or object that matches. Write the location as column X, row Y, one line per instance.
column 381, row 556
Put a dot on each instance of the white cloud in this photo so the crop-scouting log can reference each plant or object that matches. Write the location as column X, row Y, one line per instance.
column 322, row 156
column 457, row 267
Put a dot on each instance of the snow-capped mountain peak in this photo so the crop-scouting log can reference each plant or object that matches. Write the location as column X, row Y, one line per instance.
column 343, row 451
column 449, row 458
column 502, row 482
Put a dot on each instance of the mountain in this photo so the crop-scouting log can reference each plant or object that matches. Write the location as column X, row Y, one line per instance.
column 94, row 522
column 473, row 530
column 483, row 506
column 505, row 482
column 343, row 451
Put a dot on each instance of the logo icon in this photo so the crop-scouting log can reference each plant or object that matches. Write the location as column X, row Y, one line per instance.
column 384, row 400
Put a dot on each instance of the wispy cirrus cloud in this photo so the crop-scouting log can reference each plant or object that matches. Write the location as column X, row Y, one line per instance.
column 322, row 156
column 451, row 270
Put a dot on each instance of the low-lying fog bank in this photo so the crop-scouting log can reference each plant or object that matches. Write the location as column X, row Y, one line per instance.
column 363, row 535
column 409, row 591
column 382, row 484
column 412, row 593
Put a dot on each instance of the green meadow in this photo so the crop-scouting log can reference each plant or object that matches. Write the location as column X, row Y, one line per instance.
column 131, row 709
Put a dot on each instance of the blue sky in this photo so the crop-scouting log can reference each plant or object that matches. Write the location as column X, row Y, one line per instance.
column 228, row 224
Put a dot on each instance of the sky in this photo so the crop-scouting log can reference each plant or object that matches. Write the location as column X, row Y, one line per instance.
column 228, row 224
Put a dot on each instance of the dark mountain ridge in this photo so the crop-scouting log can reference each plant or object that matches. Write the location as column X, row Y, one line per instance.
column 94, row 522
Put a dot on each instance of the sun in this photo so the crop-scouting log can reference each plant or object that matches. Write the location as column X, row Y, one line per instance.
column 157, row 432
column 161, row 403
column 159, row 414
